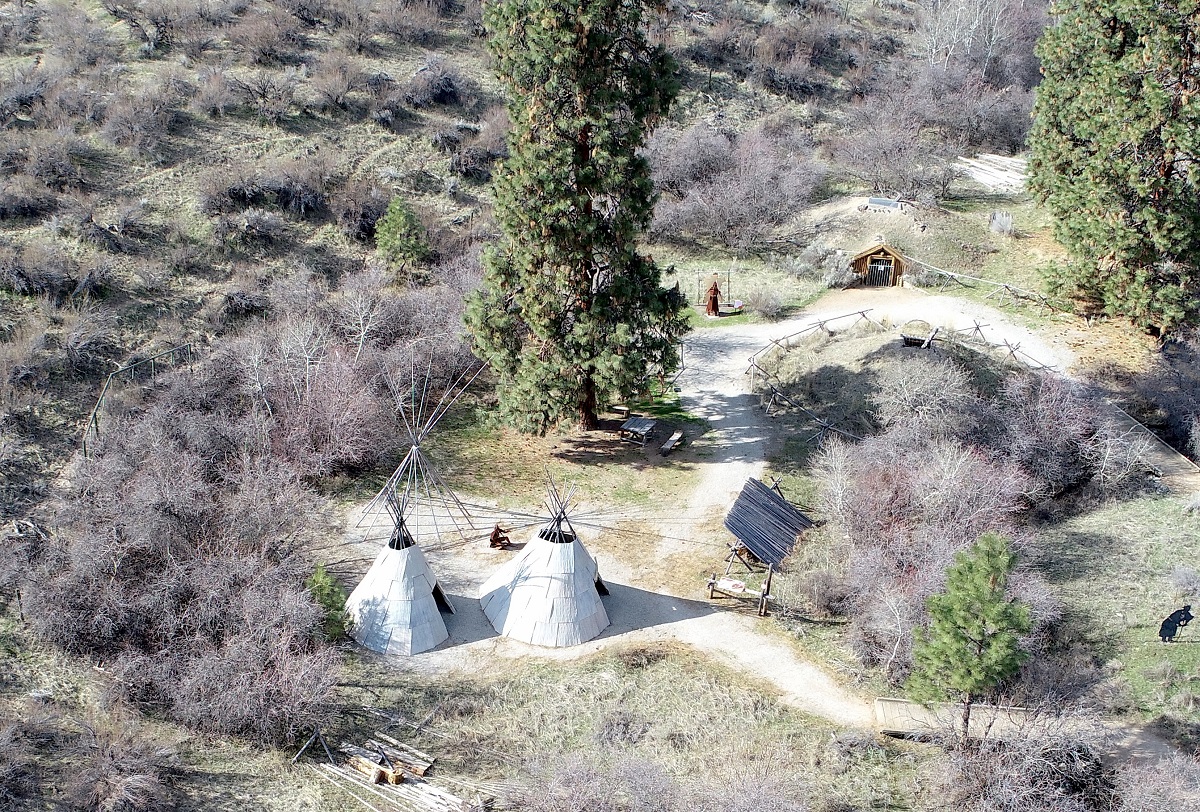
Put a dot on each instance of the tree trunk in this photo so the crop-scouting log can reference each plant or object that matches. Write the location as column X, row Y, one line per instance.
column 588, row 419
column 966, row 719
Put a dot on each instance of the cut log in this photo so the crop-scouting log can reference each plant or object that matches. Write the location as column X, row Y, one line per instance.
column 375, row 773
column 371, row 762
column 415, row 761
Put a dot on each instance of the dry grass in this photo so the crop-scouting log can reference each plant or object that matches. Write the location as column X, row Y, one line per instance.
column 664, row 703
column 478, row 457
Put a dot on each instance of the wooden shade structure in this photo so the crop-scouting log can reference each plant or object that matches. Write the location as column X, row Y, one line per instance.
column 765, row 522
column 879, row 266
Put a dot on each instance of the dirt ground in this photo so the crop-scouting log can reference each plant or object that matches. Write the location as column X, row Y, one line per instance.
column 715, row 386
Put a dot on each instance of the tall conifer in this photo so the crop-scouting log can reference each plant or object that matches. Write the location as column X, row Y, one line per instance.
column 569, row 313
column 973, row 643
column 1116, row 141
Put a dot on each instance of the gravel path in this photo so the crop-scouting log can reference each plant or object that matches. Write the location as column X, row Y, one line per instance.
column 714, row 385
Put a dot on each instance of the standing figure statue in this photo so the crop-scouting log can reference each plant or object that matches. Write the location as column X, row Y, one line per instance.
column 1177, row 619
column 713, row 307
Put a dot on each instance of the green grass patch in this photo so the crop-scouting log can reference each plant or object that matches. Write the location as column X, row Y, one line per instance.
column 1111, row 567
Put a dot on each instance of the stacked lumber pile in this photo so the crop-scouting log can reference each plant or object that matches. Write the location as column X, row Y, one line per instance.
column 382, row 759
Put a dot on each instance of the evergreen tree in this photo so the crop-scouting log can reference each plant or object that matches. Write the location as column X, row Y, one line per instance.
column 1115, row 141
column 570, row 314
column 400, row 237
column 973, row 643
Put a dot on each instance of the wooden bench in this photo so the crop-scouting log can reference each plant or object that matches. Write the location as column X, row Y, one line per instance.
column 669, row 446
column 621, row 412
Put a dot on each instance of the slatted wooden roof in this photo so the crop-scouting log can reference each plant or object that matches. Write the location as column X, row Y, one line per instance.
column 765, row 522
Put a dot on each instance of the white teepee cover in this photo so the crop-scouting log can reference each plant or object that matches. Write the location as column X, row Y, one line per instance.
column 393, row 608
column 546, row 595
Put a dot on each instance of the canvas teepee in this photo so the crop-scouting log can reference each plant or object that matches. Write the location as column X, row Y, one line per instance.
column 549, row 594
column 396, row 608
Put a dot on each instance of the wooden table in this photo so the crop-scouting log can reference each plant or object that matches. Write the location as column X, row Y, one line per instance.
column 636, row 430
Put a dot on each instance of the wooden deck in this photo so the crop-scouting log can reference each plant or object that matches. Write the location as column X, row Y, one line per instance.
column 902, row 717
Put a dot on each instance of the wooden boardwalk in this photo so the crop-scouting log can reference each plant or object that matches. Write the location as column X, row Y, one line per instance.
column 1178, row 473
column 902, row 717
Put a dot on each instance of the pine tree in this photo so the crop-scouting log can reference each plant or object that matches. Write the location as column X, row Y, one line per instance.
column 973, row 643
column 400, row 237
column 569, row 313
column 1116, row 140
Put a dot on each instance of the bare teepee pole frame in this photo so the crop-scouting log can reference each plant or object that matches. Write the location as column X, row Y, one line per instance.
column 415, row 477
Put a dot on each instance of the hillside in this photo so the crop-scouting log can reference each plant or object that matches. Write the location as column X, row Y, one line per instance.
column 191, row 192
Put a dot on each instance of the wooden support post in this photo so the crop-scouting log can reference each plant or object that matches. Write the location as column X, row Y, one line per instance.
column 765, row 596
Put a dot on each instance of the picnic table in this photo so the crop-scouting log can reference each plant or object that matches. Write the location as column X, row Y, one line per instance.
column 636, row 430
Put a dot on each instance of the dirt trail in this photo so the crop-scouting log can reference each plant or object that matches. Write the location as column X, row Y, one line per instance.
column 714, row 385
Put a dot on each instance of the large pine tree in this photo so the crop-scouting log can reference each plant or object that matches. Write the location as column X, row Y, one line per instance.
column 1116, row 140
column 973, row 642
column 570, row 314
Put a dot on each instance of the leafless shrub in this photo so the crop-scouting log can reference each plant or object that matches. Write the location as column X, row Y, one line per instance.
column 357, row 23
column 1027, row 771
column 157, row 24
column 215, row 94
column 896, row 160
column 334, row 81
column 23, row 90
column 88, row 338
column 610, row 783
column 764, row 301
column 795, row 56
column 253, row 227
column 438, row 82
column 299, row 184
column 416, row 23
column 23, row 196
column 142, row 121
column 38, row 268
column 200, row 608
column 121, row 769
column 763, row 185
column 80, row 217
column 233, row 187
column 723, row 45
column 1172, row 782
column 18, row 25
column 358, row 207
column 680, row 160
column 938, row 392
column 336, row 428
column 909, row 501
column 75, row 38
column 270, row 94
column 494, row 127
column 22, row 372
column 365, row 313
column 1186, row 581
column 76, row 100
column 1169, row 392
column 59, row 161
column 269, row 38
column 573, row 783
column 1049, row 429
column 18, row 765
